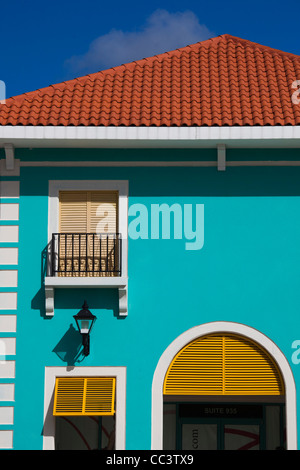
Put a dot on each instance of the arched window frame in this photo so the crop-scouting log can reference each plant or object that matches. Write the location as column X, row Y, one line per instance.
column 221, row 327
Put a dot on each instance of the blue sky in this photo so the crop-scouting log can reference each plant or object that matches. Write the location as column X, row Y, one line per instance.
column 48, row 42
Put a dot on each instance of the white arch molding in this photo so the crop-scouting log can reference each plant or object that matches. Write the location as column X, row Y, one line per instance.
column 222, row 327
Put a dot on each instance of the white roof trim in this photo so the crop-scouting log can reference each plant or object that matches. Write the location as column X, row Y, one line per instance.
column 89, row 136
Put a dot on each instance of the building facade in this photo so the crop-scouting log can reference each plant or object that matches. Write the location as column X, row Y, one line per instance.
column 162, row 196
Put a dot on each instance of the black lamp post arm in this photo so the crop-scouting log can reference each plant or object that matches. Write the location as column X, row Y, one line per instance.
column 86, row 343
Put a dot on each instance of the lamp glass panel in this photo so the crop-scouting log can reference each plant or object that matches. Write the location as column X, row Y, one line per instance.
column 85, row 326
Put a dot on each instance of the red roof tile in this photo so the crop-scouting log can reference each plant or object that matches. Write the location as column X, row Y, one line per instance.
column 224, row 81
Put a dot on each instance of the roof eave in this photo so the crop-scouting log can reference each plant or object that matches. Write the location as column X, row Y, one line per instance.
column 149, row 137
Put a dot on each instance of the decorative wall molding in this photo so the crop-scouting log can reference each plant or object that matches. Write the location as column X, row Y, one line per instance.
column 161, row 164
column 9, row 254
column 52, row 283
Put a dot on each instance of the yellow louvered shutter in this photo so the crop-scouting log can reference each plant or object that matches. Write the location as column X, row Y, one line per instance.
column 103, row 212
column 73, row 215
column 73, row 218
column 223, row 365
column 88, row 212
column 103, row 216
column 84, row 396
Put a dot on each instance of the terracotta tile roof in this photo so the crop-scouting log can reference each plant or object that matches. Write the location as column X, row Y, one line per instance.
column 218, row 82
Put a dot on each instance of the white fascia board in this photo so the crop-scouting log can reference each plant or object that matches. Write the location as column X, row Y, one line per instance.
column 142, row 137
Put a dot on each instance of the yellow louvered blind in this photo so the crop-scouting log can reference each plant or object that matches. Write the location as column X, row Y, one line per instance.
column 84, row 396
column 88, row 211
column 72, row 211
column 223, row 365
column 103, row 211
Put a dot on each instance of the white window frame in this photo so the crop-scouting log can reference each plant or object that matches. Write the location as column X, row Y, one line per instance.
column 49, row 419
column 55, row 186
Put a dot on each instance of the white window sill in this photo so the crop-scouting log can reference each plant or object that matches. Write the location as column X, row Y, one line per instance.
column 120, row 283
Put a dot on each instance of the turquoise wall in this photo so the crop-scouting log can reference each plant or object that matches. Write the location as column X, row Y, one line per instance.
column 247, row 272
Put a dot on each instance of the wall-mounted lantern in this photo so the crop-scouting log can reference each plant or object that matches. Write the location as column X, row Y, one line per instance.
column 85, row 321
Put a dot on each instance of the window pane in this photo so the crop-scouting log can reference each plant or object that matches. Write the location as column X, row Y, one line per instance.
column 241, row 436
column 199, row 436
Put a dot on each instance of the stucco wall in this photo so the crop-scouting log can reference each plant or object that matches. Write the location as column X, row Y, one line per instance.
column 246, row 272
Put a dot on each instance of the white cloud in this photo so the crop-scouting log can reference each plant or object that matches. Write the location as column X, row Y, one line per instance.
column 162, row 32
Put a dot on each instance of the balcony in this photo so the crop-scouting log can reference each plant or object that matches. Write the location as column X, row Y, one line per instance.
column 86, row 260
column 85, row 255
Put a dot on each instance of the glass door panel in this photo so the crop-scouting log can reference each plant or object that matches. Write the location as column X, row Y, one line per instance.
column 241, row 436
column 199, row 436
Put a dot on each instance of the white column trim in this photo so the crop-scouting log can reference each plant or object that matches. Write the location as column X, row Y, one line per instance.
column 49, row 420
column 219, row 327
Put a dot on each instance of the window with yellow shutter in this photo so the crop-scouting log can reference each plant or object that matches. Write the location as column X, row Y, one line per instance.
column 88, row 242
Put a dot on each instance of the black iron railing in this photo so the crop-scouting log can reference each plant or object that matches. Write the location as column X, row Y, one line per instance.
column 85, row 254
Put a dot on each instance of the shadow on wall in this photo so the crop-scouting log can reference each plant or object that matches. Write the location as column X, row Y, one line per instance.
column 38, row 301
column 169, row 181
column 98, row 299
column 101, row 298
column 67, row 302
column 69, row 348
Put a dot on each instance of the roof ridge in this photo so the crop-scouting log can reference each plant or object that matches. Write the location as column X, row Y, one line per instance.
column 261, row 46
